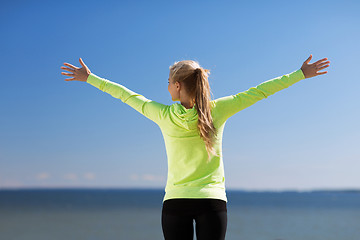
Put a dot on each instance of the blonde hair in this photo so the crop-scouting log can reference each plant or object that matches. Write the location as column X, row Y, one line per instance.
column 194, row 78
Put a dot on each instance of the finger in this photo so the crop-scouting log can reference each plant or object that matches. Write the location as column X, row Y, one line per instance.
column 68, row 74
column 70, row 79
column 320, row 61
column 309, row 58
column 322, row 64
column 323, row 67
column 82, row 63
column 68, row 69
column 71, row 66
column 320, row 73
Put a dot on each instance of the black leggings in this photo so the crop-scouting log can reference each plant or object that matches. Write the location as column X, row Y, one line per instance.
column 210, row 217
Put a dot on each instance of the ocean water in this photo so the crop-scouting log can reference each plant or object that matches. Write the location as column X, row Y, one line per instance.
column 136, row 214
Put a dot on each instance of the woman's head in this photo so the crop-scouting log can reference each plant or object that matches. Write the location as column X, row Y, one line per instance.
column 188, row 82
column 182, row 81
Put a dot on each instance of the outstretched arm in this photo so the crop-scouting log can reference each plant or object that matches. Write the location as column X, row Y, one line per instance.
column 227, row 106
column 150, row 109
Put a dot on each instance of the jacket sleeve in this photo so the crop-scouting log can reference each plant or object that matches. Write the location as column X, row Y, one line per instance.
column 226, row 107
column 150, row 109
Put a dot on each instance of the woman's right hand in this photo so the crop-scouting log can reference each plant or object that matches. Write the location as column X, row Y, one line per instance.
column 78, row 74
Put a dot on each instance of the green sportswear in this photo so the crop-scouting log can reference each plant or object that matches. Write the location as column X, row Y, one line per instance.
column 189, row 173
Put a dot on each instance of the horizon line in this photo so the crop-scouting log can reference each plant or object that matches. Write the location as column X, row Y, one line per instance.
column 163, row 189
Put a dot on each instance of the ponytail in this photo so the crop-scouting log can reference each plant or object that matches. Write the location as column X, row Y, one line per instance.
column 206, row 127
column 195, row 79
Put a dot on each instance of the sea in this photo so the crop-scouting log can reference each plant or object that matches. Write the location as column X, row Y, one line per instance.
column 129, row 214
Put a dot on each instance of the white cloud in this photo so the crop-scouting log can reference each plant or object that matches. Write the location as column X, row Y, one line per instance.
column 147, row 177
column 42, row 176
column 89, row 176
column 70, row 176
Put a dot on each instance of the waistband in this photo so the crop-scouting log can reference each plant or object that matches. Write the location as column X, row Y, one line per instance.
column 193, row 206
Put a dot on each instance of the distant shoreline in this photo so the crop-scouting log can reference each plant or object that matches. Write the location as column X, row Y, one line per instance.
column 162, row 190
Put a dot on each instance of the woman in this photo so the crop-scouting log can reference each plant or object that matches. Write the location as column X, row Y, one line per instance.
column 192, row 131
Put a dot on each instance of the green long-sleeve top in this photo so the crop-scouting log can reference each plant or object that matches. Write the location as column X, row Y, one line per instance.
column 189, row 173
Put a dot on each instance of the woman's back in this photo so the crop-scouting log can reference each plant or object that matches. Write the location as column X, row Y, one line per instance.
column 190, row 175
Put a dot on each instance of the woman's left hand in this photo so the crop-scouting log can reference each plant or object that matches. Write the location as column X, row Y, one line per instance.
column 78, row 74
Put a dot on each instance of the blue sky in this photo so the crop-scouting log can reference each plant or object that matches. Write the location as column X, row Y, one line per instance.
column 70, row 134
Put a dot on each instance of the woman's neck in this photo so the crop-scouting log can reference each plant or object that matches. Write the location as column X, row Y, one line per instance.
column 187, row 105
